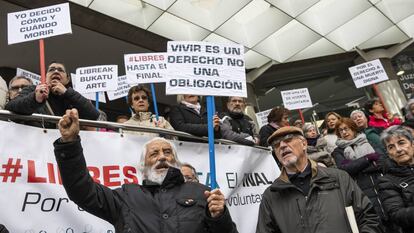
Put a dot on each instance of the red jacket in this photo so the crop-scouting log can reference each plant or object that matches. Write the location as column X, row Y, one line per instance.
column 383, row 123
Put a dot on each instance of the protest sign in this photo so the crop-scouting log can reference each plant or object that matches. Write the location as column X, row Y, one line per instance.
column 202, row 68
column 368, row 73
column 145, row 67
column 121, row 91
column 97, row 78
column 38, row 23
column 296, row 99
column 89, row 96
column 262, row 118
column 32, row 76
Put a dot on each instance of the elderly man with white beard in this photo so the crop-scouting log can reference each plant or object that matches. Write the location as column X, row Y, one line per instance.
column 163, row 203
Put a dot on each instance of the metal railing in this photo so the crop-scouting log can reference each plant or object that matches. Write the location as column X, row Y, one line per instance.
column 7, row 115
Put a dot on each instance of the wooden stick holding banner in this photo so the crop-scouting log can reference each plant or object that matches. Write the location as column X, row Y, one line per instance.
column 210, row 117
column 42, row 61
column 214, row 70
column 301, row 116
column 154, row 101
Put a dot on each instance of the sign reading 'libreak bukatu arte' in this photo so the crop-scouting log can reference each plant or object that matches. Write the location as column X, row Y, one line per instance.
column 296, row 99
column 97, row 78
column 202, row 68
column 38, row 23
column 145, row 67
column 368, row 73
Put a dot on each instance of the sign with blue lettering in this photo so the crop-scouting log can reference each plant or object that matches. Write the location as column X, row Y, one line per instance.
column 202, row 68
column 38, row 23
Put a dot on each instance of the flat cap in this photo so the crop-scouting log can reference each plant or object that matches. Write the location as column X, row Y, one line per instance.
column 281, row 132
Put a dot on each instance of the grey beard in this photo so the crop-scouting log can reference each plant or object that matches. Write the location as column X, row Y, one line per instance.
column 152, row 175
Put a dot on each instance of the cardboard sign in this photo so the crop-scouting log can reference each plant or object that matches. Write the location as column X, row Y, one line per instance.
column 262, row 118
column 145, row 67
column 201, row 68
column 368, row 73
column 121, row 91
column 89, row 96
column 296, row 99
column 38, row 23
column 32, row 76
column 97, row 78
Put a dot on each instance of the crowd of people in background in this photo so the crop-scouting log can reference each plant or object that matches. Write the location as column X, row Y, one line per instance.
column 374, row 147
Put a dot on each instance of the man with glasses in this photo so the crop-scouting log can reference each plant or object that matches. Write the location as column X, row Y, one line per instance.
column 17, row 84
column 52, row 97
column 189, row 173
column 237, row 126
column 309, row 198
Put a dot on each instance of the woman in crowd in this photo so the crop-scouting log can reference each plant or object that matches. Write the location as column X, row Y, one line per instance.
column 396, row 187
column 317, row 146
column 278, row 117
column 357, row 157
column 331, row 118
column 138, row 100
column 378, row 117
column 191, row 118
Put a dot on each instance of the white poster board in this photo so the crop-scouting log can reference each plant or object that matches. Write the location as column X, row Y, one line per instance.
column 262, row 118
column 145, row 67
column 97, row 78
column 38, row 23
column 121, row 91
column 32, row 76
column 35, row 200
column 202, row 68
column 368, row 73
column 89, row 96
column 296, row 99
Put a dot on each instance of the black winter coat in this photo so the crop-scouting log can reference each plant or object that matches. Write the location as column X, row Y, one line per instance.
column 183, row 118
column 286, row 209
column 396, row 190
column 173, row 207
column 25, row 103
column 265, row 133
column 365, row 173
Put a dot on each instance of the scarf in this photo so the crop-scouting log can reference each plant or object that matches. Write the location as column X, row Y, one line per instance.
column 195, row 107
column 355, row 148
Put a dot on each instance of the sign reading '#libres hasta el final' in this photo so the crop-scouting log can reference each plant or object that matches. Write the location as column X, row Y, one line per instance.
column 145, row 67
column 296, row 99
column 203, row 68
column 368, row 73
column 97, row 78
column 38, row 23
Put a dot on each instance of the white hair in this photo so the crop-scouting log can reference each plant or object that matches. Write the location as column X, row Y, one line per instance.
column 141, row 164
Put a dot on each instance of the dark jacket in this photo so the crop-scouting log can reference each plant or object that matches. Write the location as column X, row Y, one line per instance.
column 396, row 190
column 286, row 209
column 183, row 118
column 174, row 206
column 238, row 127
column 25, row 103
column 265, row 133
column 373, row 137
column 3, row 229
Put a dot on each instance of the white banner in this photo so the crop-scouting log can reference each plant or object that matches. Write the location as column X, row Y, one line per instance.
column 32, row 76
column 296, row 99
column 35, row 200
column 97, row 78
column 145, row 67
column 368, row 73
column 38, row 23
column 89, row 96
column 121, row 91
column 202, row 68
column 262, row 118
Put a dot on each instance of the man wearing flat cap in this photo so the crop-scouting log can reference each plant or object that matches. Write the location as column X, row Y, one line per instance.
column 308, row 198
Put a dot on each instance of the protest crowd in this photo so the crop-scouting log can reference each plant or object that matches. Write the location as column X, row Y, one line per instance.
column 352, row 171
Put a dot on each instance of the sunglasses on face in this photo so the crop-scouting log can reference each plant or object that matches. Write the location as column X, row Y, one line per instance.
column 141, row 97
column 58, row 69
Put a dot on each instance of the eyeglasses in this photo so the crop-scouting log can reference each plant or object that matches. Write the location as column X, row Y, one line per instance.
column 17, row 88
column 58, row 69
column 344, row 130
column 141, row 97
column 287, row 138
column 190, row 179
